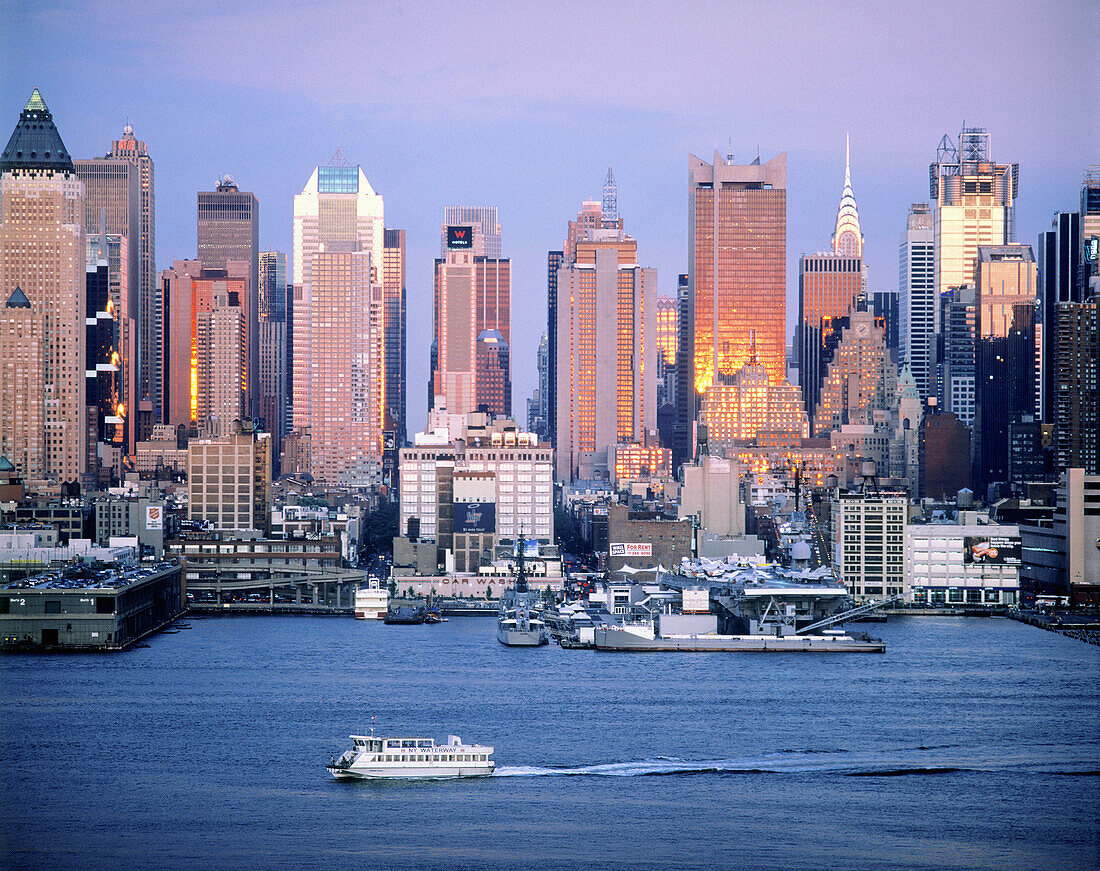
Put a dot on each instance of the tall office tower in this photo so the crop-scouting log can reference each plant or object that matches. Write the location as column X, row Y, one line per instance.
column 43, row 413
column 1089, row 280
column 668, row 344
column 343, row 339
column 1005, row 353
column 472, row 299
column 606, row 356
column 102, row 369
column 111, row 249
column 553, row 264
column 683, row 428
column 482, row 220
column 918, row 297
column 1077, row 387
column 847, row 237
column 393, row 292
column 536, row 404
column 974, row 200
column 737, row 229
column 860, row 380
column 120, row 186
column 229, row 229
column 339, row 225
column 958, row 316
column 884, row 304
column 206, row 351
column 829, row 285
column 1059, row 263
column 274, row 384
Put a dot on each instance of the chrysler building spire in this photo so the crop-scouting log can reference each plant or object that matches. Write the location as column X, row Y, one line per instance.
column 847, row 238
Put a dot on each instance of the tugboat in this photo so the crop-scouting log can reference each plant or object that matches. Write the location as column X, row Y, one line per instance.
column 520, row 623
column 406, row 615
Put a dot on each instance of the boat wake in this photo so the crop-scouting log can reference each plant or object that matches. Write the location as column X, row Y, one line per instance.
column 838, row 762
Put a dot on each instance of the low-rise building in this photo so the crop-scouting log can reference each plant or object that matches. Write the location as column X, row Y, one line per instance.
column 1062, row 555
column 966, row 562
column 644, row 539
column 229, row 481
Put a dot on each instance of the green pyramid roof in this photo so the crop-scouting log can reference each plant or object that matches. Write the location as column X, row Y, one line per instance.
column 6, row 465
column 35, row 143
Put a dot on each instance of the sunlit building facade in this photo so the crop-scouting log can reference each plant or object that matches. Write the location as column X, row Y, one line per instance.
column 606, row 354
column 43, row 413
column 737, row 244
column 828, row 287
column 750, row 407
column 918, row 297
column 861, row 378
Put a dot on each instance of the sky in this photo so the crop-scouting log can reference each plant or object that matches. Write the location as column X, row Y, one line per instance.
column 524, row 106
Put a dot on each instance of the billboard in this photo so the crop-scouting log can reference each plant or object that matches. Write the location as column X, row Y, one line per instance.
column 460, row 237
column 632, row 548
column 992, row 549
column 154, row 517
column 475, row 517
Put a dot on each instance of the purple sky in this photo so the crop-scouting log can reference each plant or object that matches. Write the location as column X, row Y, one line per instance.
column 522, row 108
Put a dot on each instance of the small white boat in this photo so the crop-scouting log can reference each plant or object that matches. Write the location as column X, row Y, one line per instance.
column 374, row 758
column 372, row 601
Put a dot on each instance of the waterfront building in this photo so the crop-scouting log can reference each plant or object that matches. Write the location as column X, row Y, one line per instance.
column 918, row 298
column 1005, row 353
column 394, row 332
column 229, row 481
column 337, row 333
column 606, row 355
column 473, row 296
column 861, row 378
column 275, row 367
column 965, row 561
column 140, row 517
column 737, row 229
column 500, row 475
column 829, row 287
column 1060, row 555
column 646, row 539
column 43, row 409
column 1077, row 387
column 868, row 531
column 974, row 205
column 118, row 187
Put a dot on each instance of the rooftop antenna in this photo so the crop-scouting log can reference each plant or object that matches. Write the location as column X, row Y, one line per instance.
column 338, row 158
column 610, row 204
column 729, row 150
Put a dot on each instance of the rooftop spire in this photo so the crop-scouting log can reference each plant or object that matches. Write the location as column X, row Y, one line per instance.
column 35, row 144
column 610, row 205
column 847, row 237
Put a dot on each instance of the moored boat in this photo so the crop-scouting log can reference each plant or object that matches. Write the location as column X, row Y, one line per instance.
column 372, row 601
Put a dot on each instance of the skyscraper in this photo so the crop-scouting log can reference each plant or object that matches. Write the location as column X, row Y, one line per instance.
column 918, row 297
column 473, row 297
column 974, row 199
column 338, row 324
column 737, row 228
column 111, row 250
column 829, row 286
column 606, row 355
column 1077, row 387
column 393, row 289
column 847, row 237
column 958, row 316
column 43, row 414
column 861, row 378
column 274, row 382
column 1059, row 264
column 1004, row 372
column 229, row 229
column 121, row 185
column 483, row 221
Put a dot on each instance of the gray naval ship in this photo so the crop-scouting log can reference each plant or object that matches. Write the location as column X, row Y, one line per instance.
column 520, row 623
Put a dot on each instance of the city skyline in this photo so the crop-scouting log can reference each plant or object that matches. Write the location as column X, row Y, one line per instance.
column 485, row 122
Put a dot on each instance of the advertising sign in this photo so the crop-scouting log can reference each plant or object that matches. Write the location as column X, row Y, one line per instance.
column 632, row 548
column 992, row 549
column 475, row 517
column 154, row 517
column 460, row 237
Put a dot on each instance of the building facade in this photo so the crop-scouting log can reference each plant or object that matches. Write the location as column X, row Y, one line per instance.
column 43, row 409
column 869, row 540
column 829, row 286
column 229, row 481
column 918, row 297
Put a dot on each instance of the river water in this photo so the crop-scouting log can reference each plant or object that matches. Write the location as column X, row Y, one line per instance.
column 969, row 744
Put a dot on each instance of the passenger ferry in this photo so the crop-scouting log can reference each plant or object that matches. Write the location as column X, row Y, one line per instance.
column 373, row 758
column 371, row 601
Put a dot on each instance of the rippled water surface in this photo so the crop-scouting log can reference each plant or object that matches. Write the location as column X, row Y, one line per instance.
column 969, row 744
